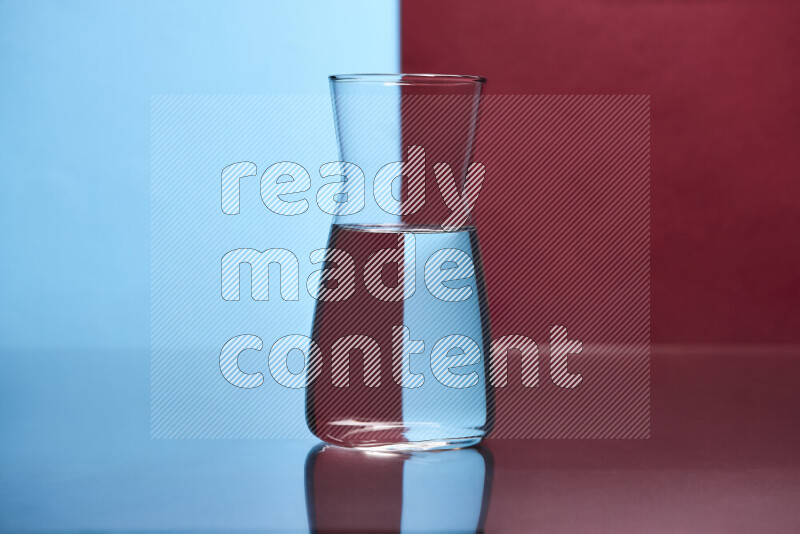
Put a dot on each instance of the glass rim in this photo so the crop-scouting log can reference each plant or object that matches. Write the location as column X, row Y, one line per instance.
column 408, row 79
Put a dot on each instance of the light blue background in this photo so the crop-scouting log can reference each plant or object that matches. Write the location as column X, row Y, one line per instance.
column 77, row 80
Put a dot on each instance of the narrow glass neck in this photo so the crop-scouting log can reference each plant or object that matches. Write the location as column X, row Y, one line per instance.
column 407, row 141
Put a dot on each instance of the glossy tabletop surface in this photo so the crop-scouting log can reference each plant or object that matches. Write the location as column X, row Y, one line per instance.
column 722, row 457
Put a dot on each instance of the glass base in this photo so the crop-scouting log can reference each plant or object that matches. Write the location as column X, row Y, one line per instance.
column 419, row 446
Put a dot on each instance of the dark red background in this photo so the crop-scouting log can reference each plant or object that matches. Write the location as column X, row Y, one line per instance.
column 724, row 80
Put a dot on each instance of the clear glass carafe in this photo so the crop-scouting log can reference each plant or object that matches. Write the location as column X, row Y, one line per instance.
column 401, row 323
